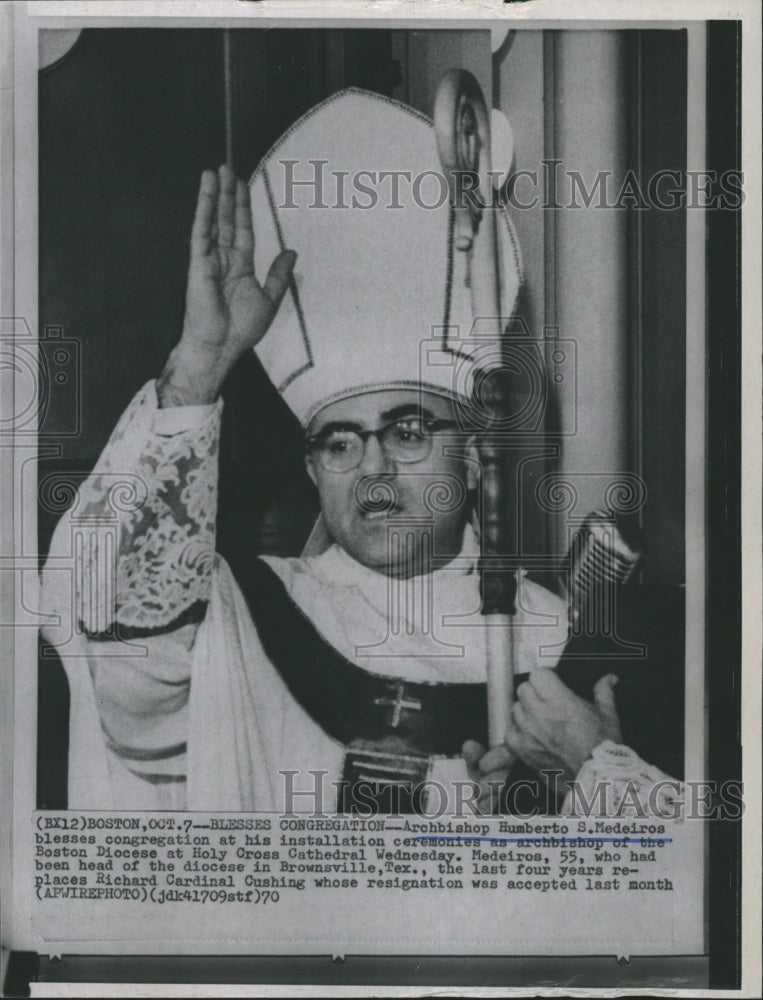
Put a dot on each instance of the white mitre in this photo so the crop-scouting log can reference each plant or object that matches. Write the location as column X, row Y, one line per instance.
column 379, row 299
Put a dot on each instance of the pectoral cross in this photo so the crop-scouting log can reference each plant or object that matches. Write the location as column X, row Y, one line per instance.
column 397, row 704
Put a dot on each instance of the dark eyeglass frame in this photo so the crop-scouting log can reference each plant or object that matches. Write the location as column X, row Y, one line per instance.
column 430, row 425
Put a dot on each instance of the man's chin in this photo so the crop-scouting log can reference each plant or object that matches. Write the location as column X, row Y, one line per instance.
column 383, row 557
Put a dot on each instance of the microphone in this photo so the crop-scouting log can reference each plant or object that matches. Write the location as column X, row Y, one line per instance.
column 603, row 555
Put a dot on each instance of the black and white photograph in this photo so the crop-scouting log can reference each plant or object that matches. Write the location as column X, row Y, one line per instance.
column 374, row 576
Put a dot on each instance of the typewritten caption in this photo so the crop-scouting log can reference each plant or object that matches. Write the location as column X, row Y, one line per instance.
column 267, row 860
column 267, row 883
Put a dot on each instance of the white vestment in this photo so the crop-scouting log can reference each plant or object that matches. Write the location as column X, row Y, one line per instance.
column 143, row 560
column 193, row 714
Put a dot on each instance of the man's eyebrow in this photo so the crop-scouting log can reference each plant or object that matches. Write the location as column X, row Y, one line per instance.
column 408, row 410
column 337, row 425
column 388, row 416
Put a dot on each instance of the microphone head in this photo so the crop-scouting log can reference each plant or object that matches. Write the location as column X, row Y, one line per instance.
column 604, row 553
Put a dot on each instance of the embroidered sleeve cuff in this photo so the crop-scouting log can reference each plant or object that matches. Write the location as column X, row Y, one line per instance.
column 615, row 777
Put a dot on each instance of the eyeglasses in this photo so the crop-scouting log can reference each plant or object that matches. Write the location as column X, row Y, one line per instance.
column 341, row 448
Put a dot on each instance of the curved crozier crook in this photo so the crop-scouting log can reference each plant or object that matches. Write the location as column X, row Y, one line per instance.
column 462, row 130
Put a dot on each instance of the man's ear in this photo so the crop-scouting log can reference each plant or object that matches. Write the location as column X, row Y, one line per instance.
column 310, row 467
column 472, row 464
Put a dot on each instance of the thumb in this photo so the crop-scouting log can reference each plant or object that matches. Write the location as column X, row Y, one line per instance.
column 472, row 751
column 279, row 277
column 513, row 739
column 604, row 694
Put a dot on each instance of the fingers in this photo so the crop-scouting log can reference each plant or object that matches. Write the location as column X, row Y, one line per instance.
column 529, row 711
column 529, row 737
column 201, row 232
column 546, row 684
column 496, row 759
column 528, row 697
column 604, row 698
column 472, row 751
column 524, row 746
column 521, row 717
column 515, row 741
column 604, row 693
column 226, row 206
column 484, row 761
column 548, row 698
column 495, row 780
column 489, row 770
column 216, row 212
column 513, row 738
column 525, row 731
column 279, row 276
column 243, row 239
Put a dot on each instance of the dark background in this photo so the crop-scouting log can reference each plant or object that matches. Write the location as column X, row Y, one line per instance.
column 128, row 120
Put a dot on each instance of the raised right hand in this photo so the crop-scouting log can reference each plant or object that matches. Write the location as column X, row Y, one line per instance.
column 227, row 310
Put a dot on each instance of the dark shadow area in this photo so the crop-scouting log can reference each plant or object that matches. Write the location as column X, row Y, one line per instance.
column 128, row 120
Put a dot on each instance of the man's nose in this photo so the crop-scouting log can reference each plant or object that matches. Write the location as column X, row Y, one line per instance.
column 376, row 459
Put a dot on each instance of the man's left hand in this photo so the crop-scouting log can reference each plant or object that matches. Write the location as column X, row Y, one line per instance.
column 489, row 770
column 552, row 729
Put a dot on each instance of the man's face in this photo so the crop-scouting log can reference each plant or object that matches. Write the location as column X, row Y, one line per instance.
column 388, row 512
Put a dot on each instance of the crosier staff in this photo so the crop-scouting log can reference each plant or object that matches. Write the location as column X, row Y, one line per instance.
column 462, row 129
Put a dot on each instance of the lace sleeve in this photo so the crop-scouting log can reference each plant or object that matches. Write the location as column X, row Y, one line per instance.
column 147, row 522
column 615, row 781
